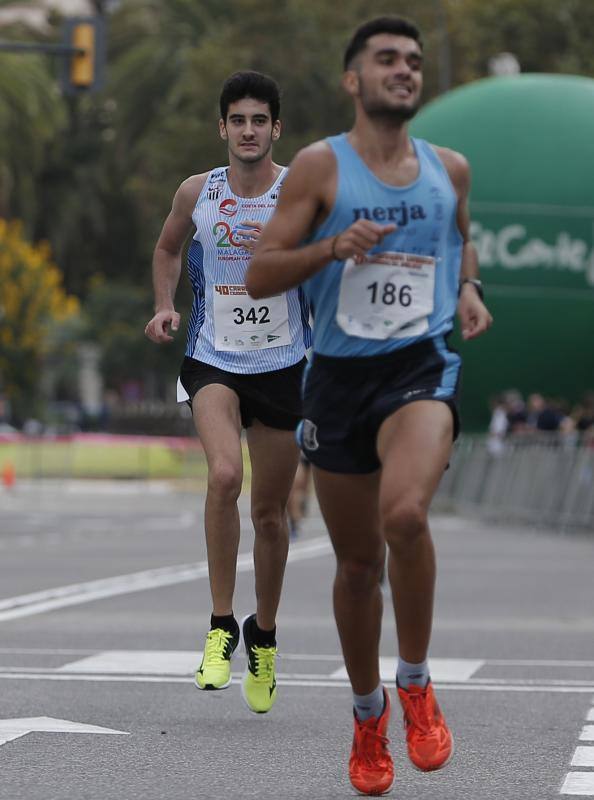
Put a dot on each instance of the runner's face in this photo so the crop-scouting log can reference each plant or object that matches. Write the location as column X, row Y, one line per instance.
column 387, row 77
column 249, row 130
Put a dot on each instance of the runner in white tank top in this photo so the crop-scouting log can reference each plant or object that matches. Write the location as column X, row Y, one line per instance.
column 243, row 367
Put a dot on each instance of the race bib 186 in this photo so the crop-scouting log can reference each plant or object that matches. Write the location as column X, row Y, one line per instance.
column 390, row 295
column 242, row 323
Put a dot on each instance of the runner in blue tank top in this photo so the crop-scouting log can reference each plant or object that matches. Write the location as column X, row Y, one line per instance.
column 243, row 368
column 374, row 224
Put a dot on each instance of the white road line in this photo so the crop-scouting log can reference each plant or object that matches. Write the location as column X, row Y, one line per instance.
column 587, row 734
column 529, row 681
column 322, row 682
column 445, row 670
column 331, row 657
column 176, row 662
column 582, row 783
column 182, row 663
column 141, row 662
column 529, row 662
column 34, row 651
column 583, row 757
column 579, row 783
column 75, row 594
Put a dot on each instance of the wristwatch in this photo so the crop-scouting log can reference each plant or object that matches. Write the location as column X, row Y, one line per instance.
column 476, row 283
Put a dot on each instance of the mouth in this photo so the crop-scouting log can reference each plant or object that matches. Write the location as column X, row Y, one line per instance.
column 400, row 90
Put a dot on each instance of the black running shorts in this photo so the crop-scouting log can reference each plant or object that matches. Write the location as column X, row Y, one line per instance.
column 273, row 398
column 345, row 400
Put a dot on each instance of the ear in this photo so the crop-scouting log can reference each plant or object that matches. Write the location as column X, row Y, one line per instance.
column 350, row 82
column 276, row 130
column 223, row 130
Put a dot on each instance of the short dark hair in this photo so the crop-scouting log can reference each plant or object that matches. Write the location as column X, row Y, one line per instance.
column 398, row 26
column 250, row 84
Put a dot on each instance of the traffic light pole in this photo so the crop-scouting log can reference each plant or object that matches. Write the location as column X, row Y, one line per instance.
column 51, row 49
column 82, row 51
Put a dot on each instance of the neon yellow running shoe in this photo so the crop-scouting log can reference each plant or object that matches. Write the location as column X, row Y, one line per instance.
column 258, row 686
column 215, row 670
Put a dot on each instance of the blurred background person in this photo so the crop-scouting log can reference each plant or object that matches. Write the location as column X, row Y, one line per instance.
column 299, row 498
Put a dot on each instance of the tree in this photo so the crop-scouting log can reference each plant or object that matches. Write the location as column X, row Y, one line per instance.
column 545, row 35
column 95, row 175
column 168, row 61
column 115, row 315
column 33, row 304
column 30, row 115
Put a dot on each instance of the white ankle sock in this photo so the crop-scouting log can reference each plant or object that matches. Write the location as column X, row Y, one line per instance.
column 369, row 705
column 417, row 674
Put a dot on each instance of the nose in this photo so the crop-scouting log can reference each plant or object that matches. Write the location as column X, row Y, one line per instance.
column 402, row 68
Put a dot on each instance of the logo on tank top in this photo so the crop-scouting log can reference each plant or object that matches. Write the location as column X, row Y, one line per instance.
column 216, row 184
column 228, row 207
column 275, row 193
column 233, row 235
column 214, row 191
column 401, row 214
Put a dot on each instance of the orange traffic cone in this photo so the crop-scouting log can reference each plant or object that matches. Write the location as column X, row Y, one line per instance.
column 8, row 475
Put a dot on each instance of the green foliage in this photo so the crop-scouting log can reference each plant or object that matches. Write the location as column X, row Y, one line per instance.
column 30, row 115
column 88, row 214
column 545, row 35
column 95, row 175
column 33, row 304
column 115, row 316
column 168, row 62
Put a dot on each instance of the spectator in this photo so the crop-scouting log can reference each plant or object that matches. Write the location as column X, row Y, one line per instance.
column 517, row 416
column 535, row 405
column 583, row 414
column 550, row 416
column 498, row 426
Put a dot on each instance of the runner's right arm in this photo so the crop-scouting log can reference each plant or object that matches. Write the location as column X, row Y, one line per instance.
column 306, row 199
column 167, row 259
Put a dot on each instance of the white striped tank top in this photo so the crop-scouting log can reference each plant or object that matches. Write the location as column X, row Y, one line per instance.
column 227, row 328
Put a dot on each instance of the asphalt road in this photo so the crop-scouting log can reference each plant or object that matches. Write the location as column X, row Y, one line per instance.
column 104, row 603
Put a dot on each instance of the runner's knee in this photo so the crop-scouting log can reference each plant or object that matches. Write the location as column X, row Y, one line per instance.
column 224, row 481
column 359, row 576
column 404, row 522
column 268, row 521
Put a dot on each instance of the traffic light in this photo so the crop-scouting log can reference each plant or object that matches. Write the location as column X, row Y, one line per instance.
column 82, row 64
column 83, row 68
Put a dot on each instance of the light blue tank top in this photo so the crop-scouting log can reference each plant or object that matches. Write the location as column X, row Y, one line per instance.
column 425, row 213
column 217, row 263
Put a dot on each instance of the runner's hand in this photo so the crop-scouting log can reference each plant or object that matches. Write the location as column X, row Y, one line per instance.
column 359, row 238
column 249, row 238
column 474, row 316
column 156, row 329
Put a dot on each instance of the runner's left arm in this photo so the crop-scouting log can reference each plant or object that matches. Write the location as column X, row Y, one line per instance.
column 474, row 316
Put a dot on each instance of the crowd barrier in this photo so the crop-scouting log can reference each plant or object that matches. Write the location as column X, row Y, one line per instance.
column 545, row 480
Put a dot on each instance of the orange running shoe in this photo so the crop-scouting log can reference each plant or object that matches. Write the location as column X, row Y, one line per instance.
column 428, row 738
column 370, row 766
